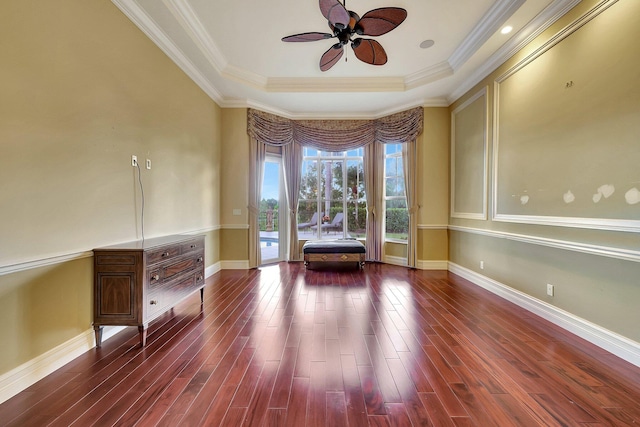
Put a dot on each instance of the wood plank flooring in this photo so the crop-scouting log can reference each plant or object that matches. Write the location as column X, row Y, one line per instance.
column 390, row 346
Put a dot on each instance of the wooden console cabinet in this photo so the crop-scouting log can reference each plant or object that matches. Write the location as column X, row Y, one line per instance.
column 138, row 281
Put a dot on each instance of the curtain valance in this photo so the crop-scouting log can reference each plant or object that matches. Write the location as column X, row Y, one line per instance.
column 335, row 135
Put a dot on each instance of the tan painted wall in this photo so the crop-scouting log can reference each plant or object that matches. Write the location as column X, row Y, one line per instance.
column 235, row 167
column 234, row 179
column 433, row 185
column 81, row 90
column 600, row 289
column 433, row 168
column 433, row 245
column 234, row 244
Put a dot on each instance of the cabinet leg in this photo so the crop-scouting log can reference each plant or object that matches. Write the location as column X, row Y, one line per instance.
column 142, row 331
column 98, row 332
column 201, row 295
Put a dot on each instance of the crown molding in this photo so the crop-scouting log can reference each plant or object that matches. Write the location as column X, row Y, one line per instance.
column 428, row 75
column 335, row 84
column 533, row 29
column 182, row 11
column 249, row 103
column 188, row 20
column 149, row 27
column 186, row 17
column 486, row 27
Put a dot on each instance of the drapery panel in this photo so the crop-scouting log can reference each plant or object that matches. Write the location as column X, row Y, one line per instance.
column 373, row 189
column 336, row 135
column 409, row 163
column 257, row 153
column 292, row 162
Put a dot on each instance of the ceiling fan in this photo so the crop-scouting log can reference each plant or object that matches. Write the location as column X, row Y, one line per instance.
column 346, row 24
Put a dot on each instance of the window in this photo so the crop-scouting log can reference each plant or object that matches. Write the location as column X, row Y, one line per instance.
column 332, row 201
column 396, row 213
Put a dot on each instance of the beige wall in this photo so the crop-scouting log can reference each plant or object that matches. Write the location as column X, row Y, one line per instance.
column 81, row 90
column 234, row 242
column 433, row 186
column 601, row 289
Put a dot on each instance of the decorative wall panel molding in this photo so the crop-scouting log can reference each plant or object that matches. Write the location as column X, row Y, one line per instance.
column 469, row 139
column 565, row 127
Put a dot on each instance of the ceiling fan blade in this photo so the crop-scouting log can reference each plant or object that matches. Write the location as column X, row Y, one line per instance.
column 335, row 13
column 377, row 22
column 369, row 51
column 330, row 57
column 307, row 37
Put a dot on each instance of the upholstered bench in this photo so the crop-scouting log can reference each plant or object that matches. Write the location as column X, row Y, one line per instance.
column 339, row 250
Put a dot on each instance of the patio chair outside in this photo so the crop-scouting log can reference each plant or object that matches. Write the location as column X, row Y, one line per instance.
column 335, row 225
column 313, row 221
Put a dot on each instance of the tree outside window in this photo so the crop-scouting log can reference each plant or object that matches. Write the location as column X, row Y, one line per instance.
column 396, row 212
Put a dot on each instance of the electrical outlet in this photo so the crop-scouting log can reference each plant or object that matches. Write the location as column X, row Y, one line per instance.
column 148, row 163
column 481, row 265
column 549, row 289
column 134, row 161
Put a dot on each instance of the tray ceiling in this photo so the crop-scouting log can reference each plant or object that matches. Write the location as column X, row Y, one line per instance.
column 233, row 51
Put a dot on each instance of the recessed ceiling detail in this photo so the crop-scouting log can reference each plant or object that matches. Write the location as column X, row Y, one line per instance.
column 233, row 51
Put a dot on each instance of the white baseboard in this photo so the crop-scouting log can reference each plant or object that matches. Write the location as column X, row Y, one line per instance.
column 212, row 269
column 25, row 375
column 395, row 260
column 234, row 265
column 619, row 345
column 421, row 264
column 433, row 265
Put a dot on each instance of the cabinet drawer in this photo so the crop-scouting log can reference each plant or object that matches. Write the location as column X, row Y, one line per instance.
column 166, row 296
column 192, row 245
column 162, row 254
column 158, row 275
column 115, row 259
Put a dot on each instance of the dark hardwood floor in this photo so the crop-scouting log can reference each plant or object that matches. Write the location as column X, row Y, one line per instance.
column 281, row 346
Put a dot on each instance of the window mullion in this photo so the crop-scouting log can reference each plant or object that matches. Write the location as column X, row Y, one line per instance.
column 345, row 196
column 319, row 197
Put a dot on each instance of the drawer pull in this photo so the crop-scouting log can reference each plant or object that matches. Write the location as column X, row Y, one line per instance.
column 153, row 302
column 165, row 253
column 155, row 277
column 193, row 246
column 199, row 278
column 200, row 259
